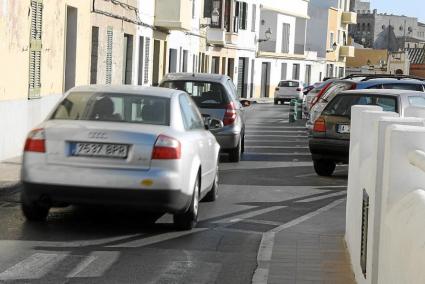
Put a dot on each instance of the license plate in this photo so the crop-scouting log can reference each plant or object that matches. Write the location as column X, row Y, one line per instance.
column 343, row 128
column 118, row 151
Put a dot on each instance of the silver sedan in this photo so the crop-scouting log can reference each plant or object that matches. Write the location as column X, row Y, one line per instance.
column 123, row 145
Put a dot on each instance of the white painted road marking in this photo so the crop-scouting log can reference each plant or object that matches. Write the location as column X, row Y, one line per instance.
column 343, row 193
column 248, row 215
column 95, row 265
column 156, row 239
column 264, row 254
column 33, row 267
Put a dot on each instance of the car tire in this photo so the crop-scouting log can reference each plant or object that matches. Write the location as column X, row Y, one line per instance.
column 189, row 219
column 236, row 153
column 276, row 102
column 33, row 211
column 324, row 167
column 212, row 195
column 243, row 144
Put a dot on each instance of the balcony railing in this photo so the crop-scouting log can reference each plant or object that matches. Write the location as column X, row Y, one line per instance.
column 349, row 18
column 346, row 51
column 173, row 14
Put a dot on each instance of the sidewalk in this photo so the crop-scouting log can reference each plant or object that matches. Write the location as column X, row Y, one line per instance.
column 10, row 174
column 313, row 251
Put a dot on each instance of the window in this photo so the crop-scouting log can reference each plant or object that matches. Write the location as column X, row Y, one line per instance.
column 172, row 68
column 296, row 72
column 141, row 58
column 341, row 105
column 192, row 119
column 35, row 49
column 205, row 94
column 417, row 101
column 94, row 54
column 285, row 38
column 290, row 84
column 254, row 17
column 128, row 59
column 331, row 39
column 109, row 36
column 185, row 59
column 115, row 107
column 193, row 9
column 410, row 87
column 147, row 59
column 242, row 14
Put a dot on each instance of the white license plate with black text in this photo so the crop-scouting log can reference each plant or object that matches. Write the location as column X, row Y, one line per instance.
column 343, row 128
column 118, row 151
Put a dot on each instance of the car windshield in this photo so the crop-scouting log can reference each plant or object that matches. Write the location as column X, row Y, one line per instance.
column 341, row 105
column 293, row 84
column 335, row 89
column 114, row 107
column 205, row 94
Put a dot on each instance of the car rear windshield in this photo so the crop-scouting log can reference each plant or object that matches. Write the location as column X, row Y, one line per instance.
column 404, row 86
column 336, row 88
column 293, row 84
column 205, row 94
column 341, row 104
column 114, row 107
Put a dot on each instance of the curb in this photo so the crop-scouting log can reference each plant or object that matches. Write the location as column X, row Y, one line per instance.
column 7, row 188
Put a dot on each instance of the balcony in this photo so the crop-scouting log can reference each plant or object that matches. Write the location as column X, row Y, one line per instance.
column 346, row 51
column 173, row 14
column 349, row 18
column 216, row 36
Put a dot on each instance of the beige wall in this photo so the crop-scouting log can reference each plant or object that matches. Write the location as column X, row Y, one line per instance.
column 362, row 55
column 332, row 27
column 15, row 24
column 119, row 27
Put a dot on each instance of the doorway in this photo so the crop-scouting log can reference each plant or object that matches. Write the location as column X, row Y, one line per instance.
column 71, row 46
column 265, row 79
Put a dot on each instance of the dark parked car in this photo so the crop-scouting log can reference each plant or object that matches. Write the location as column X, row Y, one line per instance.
column 216, row 97
column 330, row 138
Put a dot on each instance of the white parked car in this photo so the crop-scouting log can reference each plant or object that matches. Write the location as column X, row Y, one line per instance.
column 288, row 90
column 123, row 145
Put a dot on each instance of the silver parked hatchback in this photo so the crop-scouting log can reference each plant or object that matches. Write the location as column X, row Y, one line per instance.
column 216, row 97
column 122, row 145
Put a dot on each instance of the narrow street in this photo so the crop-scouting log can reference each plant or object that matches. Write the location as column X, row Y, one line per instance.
column 273, row 198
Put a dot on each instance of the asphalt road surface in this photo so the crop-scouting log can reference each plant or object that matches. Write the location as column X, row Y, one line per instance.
column 273, row 185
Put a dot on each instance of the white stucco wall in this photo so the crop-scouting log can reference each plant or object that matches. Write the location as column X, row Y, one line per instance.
column 18, row 117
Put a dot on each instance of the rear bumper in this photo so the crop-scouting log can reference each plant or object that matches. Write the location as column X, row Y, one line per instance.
column 228, row 137
column 330, row 149
column 154, row 200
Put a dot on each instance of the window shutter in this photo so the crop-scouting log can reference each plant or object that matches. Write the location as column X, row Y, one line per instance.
column 35, row 49
column 147, row 56
column 109, row 34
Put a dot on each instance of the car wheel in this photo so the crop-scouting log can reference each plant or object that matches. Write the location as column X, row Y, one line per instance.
column 189, row 219
column 212, row 195
column 324, row 167
column 243, row 144
column 235, row 154
column 276, row 102
column 33, row 211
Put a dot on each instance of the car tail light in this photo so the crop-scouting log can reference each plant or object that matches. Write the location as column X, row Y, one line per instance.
column 166, row 148
column 36, row 141
column 230, row 114
column 319, row 125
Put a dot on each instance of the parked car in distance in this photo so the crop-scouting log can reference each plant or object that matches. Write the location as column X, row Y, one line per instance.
column 315, row 92
column 288, row 90
column 359, row 83
column 330, row 140
column 216, row 96
column 123, row 145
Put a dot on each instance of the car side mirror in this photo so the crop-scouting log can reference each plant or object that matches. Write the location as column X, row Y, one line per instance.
column 215, row 124
column 245, row 103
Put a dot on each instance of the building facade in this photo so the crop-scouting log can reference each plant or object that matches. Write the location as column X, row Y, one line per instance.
column 54, row 45
column 328, row 33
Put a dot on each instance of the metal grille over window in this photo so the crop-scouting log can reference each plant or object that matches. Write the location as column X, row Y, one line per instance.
column 35, row 49
column 147, row 55
column 365, row 219
column 109, row 34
